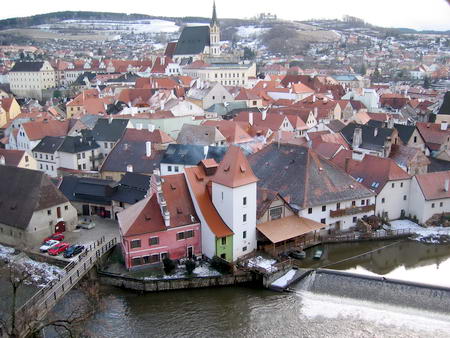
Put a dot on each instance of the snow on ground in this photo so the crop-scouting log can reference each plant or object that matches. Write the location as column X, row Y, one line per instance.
column 205, row 271
column 248, row 31
column 428, row 235
column 40, row 273
column 264, row 263
column 138, row 26
column 283, row 281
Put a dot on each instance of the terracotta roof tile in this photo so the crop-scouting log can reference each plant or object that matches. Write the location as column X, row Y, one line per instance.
column 432, row 185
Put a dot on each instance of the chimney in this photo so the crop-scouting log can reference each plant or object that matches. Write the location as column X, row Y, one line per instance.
column 151, row 128
column 346, row 165
column 110, row 120
column 387, row 146
column 250, row 118
column 205, row 151
column 148, row 148
column 444, row 125
column 2, row 160
column 314, row 98
column 446, row 183
column 357, row 156
column 166, row 215
column 129, row 168
column 316, row 112
column 264, row 114
column 357, row 138
column 375, row 132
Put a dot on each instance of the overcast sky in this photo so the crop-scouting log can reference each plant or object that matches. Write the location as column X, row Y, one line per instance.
column 418, row 14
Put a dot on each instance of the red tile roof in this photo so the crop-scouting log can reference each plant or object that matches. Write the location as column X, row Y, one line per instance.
column 12, row 157
column 234, row 170
column 38, row 130
column 432, row 185
column 232, row 131
column 198, row 183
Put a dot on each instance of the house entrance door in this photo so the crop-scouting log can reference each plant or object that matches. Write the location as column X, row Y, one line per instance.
column 190, row 251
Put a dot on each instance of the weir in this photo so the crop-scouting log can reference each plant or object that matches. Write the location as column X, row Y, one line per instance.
column 376, row 289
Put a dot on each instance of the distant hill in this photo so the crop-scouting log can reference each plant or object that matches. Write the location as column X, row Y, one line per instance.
column 55, row 17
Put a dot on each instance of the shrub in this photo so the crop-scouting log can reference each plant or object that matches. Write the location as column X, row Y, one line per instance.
column 169, row 265
column 190, row 266
column 220, row 265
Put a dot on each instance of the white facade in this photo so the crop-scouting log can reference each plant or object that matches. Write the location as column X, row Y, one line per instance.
column 77, row 161
column 47, row 163
column 23, row 142
column 322, row 213
column 393, row 199
column 184, row 108
column 425, row 209
column 172, row 169
column 237, row 207
column 31, row 84
column 229, row 75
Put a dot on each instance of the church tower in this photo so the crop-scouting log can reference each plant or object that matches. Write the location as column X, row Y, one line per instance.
column 214, row 34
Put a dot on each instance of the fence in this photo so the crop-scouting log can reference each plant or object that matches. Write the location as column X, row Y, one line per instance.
column 37, row 307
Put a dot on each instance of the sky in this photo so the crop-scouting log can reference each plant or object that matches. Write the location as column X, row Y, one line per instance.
column 417, row 14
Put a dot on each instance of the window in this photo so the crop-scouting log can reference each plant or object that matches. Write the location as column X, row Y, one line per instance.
column 338, row 206
column 244, row 201
column 106, row 145
column 393, row 185
column 79, row 167
column 441, row 204
column 415, row 139
column 244, row 218
column 363, row 202
column 84, row 165
column 189, row 234
column 153, row 241
column 26, row 158
column 432, row 205
column 40, row 155
column 354, row 219
column 40, row 165
column 224, row 241
column 309, row 210
column 275, row 213
column 404, row 197
column 213, row 97
column 83, row 155
column 382, row 200
column 244, row 248
column 46, row 156
column 324, row 208
column 136, row 261
column 323, row 221
column 244, row 234
column 222, row 195
column 169, row 168
column 66, row 207
column 154, row 258
column 223, row 256
column 401, row 185
column 353, row 203
column 135, row 243
column 78, row 156
column 180, row 236
column 223, row 97
column 49, row 212
column 176, row 169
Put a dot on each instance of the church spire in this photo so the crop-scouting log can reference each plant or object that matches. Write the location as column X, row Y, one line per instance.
column 214, row 20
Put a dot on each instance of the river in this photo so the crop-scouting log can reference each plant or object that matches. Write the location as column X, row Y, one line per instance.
column 252, row 312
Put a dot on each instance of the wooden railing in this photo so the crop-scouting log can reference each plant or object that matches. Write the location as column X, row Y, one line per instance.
column 37, row 307
column 352, row 211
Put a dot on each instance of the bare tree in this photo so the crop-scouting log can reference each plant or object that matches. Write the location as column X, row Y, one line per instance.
column 67, row 324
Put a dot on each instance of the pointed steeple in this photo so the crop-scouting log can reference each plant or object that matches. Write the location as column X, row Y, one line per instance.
column 214, row 20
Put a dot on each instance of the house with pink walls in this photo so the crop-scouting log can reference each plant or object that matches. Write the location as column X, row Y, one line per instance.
column 164, row 224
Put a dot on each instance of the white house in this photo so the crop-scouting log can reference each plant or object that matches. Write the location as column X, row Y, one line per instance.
column 47, row 156
column 429, row 195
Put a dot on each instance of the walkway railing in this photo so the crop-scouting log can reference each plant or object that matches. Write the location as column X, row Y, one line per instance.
column 37, row 307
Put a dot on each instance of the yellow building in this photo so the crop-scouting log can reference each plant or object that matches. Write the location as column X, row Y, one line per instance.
column 30, row 79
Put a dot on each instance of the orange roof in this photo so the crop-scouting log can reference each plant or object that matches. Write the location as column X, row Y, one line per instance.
column 232, row 131
column 299, row 88
column 198, row 181
column 432, row 185
column 234, row 170
column 38, row 130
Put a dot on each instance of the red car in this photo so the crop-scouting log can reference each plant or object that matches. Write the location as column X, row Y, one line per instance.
column 58, row 248
column 57, row 236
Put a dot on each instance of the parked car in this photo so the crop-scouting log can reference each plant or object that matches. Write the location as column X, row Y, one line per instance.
column 57, row 236
column 297, row 254
column 48, row 245
column 73, row 250
column 86, row 223
column 58, row 248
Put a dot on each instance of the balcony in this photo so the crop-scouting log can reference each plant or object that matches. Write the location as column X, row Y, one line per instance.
column 352, row 211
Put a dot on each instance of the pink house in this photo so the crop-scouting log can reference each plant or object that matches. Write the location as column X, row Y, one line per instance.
column 164, row 224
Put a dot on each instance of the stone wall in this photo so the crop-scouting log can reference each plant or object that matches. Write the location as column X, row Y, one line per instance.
column 140, row 284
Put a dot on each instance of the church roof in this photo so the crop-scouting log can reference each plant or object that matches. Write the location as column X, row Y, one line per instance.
column 193, row 40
